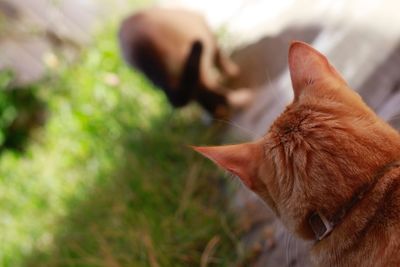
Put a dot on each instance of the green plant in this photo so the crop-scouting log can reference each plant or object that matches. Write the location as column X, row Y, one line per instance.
column 21, row 110
column 109, row 181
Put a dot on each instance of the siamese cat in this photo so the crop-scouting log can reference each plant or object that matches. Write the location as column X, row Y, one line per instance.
column 177, row 51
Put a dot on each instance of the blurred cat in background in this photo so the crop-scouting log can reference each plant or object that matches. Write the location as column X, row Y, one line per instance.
column 177, row 51
column 328, row 167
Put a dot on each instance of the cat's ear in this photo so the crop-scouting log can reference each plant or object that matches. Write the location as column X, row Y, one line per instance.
column 307, row 66
column 242, row 159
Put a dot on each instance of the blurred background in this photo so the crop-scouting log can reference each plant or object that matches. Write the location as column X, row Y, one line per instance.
column 94, row 164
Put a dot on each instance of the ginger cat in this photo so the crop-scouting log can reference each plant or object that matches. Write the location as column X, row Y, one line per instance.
column 328, row 167
column 177, row 51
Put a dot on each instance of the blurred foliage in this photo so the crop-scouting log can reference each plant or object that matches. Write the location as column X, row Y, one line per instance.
column 21, row 110
column 109, row 181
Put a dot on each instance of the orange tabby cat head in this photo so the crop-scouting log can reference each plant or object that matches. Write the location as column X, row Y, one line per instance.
column 326, row 144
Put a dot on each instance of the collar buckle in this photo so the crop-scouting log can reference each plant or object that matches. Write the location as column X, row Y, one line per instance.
column 320, row 225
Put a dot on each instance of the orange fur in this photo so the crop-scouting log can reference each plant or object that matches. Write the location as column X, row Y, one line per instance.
column 325, row 146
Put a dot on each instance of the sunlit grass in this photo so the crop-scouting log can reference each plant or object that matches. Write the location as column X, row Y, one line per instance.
column 109, row 180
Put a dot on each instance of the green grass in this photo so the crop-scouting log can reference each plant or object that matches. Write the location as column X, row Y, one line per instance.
column 109, row 181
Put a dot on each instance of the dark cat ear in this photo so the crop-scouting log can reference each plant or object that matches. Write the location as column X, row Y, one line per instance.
column 242, row 160
column 307, row 66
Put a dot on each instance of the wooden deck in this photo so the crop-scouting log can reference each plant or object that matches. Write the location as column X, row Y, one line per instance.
column 35, row 34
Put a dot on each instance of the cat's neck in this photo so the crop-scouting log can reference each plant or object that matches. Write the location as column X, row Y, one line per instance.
column 362, row 222
column 323, row 225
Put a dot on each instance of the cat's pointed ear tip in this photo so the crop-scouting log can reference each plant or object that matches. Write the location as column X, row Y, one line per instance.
column 199, row 149
column 206, row 151
column 192, row 147
column 294, row 44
